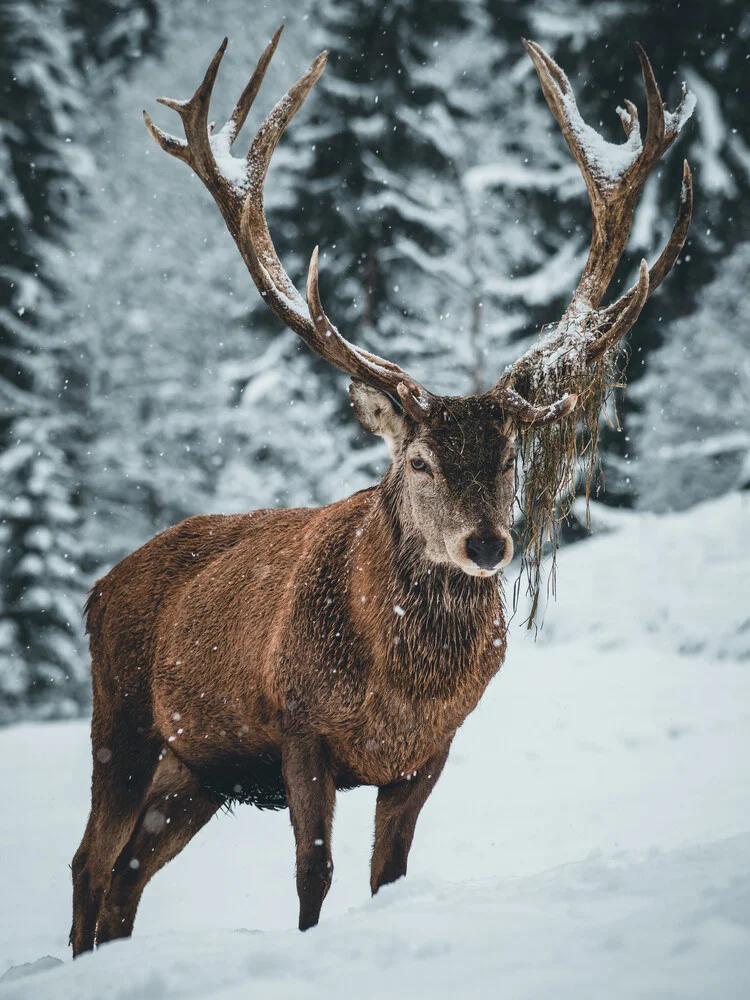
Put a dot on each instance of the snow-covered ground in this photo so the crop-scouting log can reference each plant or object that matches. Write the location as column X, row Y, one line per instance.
column 590, row 836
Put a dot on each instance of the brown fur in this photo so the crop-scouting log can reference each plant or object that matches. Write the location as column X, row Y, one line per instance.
column 277, row 656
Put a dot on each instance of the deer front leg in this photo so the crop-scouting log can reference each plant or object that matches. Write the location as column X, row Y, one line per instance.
column 396, row 816
column 311, row 794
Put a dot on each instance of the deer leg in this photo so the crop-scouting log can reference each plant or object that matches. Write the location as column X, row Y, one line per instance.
column 311, row 794
column 124, row 762
column 175, row 809
column 396, row 814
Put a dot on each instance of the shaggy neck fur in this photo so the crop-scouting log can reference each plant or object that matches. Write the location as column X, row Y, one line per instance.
column 438, row 621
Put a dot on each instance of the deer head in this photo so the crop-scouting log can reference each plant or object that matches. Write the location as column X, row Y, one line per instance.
column 452, row 477
column 453, row 458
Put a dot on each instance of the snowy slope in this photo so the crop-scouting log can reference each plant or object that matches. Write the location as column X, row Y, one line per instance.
column 590, row 835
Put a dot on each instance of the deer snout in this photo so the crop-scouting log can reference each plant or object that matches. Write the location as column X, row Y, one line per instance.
column 485, row 550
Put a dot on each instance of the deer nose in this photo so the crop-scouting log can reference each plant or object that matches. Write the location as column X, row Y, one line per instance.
column 485, row 550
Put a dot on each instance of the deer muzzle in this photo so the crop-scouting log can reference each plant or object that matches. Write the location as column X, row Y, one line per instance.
column 481, row 552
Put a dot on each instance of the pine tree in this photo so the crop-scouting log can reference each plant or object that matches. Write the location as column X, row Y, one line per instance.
column 421, row 186
column 44, row 106
column 40, row 98
column 188, row 370
column 694, row 429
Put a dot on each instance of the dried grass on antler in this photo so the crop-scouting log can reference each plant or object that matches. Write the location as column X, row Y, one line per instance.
column 559, row 461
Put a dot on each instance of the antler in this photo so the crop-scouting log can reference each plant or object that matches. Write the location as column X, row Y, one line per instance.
column 237, row 188
column 614, row 176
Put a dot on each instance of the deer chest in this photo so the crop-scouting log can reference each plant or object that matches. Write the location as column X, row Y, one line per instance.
column 383, row 720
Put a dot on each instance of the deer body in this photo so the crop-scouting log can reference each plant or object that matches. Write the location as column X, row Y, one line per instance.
column 273, row 658
column 274, row 612
column 278, row 656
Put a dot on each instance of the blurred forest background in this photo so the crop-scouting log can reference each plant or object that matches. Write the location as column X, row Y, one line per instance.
column 141, row 378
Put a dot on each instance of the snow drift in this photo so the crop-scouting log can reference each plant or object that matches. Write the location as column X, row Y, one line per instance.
column 590, row 835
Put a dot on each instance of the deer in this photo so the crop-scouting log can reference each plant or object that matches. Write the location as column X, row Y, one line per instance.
column 279, row 656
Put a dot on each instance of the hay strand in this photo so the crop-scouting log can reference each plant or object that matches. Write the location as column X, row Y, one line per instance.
column 562, row 460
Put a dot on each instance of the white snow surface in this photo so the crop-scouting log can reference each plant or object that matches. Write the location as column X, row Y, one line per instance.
column 233, row 168
column 607, row 161
column 590, row 836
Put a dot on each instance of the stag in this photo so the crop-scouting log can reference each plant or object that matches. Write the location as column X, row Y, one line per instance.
column 278, row 656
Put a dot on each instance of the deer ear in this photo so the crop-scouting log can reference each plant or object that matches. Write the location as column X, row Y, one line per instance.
column 378, row 414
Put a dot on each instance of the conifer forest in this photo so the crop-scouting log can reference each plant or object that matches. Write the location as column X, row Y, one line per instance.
column 142, row 380
column 591, row 833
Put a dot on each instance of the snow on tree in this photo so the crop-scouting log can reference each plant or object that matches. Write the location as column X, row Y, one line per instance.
column 694, row 430
column 189, row 373
column 495, row 267
column 47, row 167
column 43, row 169
column 421, row 186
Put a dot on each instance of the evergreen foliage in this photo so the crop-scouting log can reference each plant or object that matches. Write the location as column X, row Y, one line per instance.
column 46, row 167
column 142, row 380
column 694, row 429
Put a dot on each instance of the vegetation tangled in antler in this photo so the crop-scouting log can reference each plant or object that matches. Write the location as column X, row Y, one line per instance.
column 556, row 463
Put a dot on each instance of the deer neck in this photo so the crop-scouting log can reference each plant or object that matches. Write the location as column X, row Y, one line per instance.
column 433, row 624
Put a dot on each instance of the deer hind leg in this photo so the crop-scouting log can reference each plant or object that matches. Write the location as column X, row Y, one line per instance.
column 175, row 809
column 396, row 814
column 125, row 756
column 311, row 794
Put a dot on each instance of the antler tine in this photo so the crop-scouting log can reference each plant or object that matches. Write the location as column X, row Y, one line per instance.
column 247, row 97
column 557, row 93
column 360, row 364
column 194, row 115
column 241, row 205
column 630, row 310
column 629, row 118
column 171, row 144
column 256, row 245
column 656, row 141
column 515, row 405
column 671, row 251
column 668, row 257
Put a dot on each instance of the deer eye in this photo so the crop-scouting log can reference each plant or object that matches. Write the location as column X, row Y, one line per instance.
column 510, row 464
column 419, row 465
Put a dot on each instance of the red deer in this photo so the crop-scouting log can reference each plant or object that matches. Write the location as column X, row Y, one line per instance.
column 278, row 656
